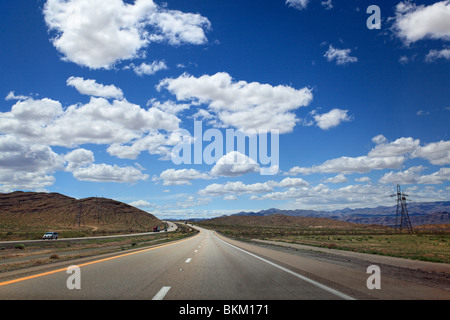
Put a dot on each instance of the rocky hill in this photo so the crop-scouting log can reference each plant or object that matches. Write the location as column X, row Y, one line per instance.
column 32, row 211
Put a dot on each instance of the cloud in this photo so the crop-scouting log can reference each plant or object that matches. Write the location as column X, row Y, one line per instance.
column 361, row 164
column 26, row 166
column 177, row 27
column 142, row 204
column 331, row 119
column 92, row 88
column 399, row 147
column 125, row 128
column 190, row 201
column 81, row 163
column 168, row 106
column 181, row 176
column 245, row 106
column 32, row 126
column 28, row 119
column 297, row 4
column 97, row 33
column 98, row 121
column 238, row 187
column 234, row 164
column 322, row 197
column 379, row 139
column 438, row 177
column 109, row 173
column 340, row 178
column 434, row 55
column 235, row 187
column 341, row 56
column 328, row 4
column 292, row 182
column 12, row 96
column 149, row 69
column 153, row 142
column 438, row 153
column 79, row 158
column 385, row 155
column 414, row 23
column 409, row 176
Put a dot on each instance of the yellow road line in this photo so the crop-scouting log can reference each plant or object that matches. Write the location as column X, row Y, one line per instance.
column 91, row 262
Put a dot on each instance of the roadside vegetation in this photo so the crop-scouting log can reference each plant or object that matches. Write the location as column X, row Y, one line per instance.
column 426, row 244
column 18, row 256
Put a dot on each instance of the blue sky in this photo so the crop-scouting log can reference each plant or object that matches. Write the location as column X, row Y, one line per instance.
column 97, row 95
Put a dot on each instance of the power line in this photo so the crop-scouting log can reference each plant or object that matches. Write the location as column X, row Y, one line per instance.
column 402, row 212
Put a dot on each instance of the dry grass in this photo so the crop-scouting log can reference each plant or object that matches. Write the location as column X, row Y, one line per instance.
column 428, row 244
column 56, row 251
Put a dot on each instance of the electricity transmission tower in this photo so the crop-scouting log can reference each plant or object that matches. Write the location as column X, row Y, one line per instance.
column 402, row 212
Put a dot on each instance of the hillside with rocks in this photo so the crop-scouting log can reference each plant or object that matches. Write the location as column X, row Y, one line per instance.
column 31, row 212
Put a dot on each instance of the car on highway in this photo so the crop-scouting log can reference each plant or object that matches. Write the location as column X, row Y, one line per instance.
column 50, row 235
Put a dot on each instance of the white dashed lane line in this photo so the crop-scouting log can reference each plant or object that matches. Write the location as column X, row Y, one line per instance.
column 161, row 293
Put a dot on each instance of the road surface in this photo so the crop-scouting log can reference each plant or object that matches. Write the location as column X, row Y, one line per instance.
column 209, row 267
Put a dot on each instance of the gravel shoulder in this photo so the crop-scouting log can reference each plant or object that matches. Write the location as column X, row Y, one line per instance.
column 401, row 279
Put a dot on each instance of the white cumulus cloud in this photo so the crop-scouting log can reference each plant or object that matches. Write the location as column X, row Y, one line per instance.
column 341, row 56
column 99, row 121
column 234, row 164
column 97, row 33
column 26, row 166
column 240, row 104
column 92, row 88
column 331, row 119
column 297, row 4
column 434, row 55
column 181, row 176
column 109, row 173
column 385, row 155
column 414, row 23
column 149, row 69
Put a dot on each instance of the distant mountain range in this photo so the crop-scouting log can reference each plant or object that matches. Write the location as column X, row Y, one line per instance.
column 420, row 213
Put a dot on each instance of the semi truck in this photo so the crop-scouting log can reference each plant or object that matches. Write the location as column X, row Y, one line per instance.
column 156, row 229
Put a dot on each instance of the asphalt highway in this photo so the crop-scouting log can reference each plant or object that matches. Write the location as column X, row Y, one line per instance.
column 206, row 267
column 202, row 267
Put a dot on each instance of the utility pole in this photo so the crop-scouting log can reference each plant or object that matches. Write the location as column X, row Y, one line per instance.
column 402, row 212
column 79, row 213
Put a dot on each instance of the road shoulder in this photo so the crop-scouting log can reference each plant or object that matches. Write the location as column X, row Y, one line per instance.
column 347, row 271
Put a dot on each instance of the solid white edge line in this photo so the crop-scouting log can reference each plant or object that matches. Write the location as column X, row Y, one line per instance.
column 317, row 284
column 161, row 293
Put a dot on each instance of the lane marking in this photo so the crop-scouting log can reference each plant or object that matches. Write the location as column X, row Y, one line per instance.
column 195, row 250
column 93, row 262
column 317, row 284
column 188, row 260
column 161, row 293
